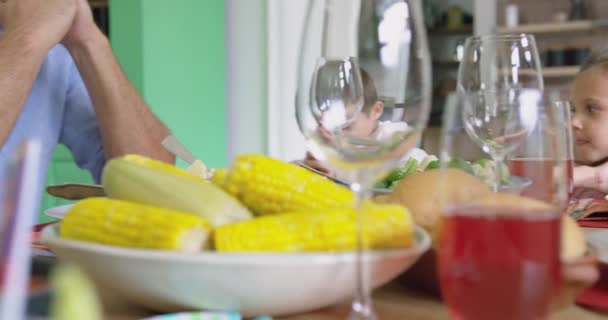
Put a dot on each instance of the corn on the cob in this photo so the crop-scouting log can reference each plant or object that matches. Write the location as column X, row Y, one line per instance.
column 151, row 182
column 269, row 186
column 384, row 226
column 128, row 224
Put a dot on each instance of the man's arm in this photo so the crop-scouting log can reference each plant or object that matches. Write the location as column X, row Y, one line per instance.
column 20, row 61
column 31, row 28
column 126, row 122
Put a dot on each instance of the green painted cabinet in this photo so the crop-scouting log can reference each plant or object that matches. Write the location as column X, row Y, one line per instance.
column 174, row 53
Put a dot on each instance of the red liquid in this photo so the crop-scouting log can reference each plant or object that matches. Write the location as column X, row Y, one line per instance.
column 570, row 172
column 540, row 171
column 504, row 267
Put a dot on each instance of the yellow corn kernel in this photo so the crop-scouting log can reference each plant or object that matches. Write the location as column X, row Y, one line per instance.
column 128, row 224
column 268, row 186
column 384, row 227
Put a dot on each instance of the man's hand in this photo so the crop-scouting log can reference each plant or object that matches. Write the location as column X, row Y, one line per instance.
column 83, row 27
column 44, row 22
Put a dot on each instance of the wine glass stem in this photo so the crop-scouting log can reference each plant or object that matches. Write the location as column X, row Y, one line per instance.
column 362, row 308
column 498, row 160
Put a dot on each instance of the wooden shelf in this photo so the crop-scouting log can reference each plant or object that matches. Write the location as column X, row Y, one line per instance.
column 555, row 72
column 445, row 31
column 556, row 27
column 560, row 72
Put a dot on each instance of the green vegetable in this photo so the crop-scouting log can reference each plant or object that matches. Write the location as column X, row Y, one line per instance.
column 435, row 164
column 461, row 164
column 396, row 175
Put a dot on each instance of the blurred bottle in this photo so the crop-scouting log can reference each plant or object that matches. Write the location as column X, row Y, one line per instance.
column 455, row 15
column 577, row 10
column 511, row 16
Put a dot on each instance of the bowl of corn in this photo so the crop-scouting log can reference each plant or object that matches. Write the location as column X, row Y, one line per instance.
column 250, row 241
column 252, row 283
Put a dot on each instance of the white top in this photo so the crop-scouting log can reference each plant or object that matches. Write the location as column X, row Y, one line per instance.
column 387, row 128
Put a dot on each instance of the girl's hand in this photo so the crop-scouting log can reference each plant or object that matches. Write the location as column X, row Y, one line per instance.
column 591, row 177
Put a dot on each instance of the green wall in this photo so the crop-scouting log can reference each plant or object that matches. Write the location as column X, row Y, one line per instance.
column 174, row 54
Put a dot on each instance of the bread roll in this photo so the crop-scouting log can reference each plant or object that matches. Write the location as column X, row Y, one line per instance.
column 421, row 193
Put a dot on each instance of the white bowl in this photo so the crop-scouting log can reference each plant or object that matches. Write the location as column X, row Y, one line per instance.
column 58, row 212
column 252, row 283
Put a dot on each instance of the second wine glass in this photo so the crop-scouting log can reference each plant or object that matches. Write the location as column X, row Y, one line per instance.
column 495, row 73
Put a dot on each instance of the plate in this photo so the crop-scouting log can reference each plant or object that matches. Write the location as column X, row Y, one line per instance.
column 253, row 284
column 58, row 212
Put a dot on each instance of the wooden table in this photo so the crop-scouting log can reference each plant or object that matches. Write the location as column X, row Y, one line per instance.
column 392, row 302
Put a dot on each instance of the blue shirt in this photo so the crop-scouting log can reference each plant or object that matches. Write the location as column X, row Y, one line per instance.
column 59, row 110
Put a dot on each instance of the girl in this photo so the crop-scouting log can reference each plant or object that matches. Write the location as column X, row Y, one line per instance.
column 590, row 128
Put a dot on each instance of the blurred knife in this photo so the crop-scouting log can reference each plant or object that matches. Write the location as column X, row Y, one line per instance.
column 178, row 149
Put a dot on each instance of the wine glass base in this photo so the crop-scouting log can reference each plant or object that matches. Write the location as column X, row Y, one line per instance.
column 361, row 311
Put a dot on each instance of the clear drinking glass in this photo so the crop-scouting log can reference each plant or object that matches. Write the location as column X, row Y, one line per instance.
column 564, row 111
column 492, row 74
column 499, row 251
column 345, row 122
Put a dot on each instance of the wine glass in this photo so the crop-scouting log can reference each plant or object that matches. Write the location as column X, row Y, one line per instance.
column 499, row 251
column 349, row 124
column 494, row 73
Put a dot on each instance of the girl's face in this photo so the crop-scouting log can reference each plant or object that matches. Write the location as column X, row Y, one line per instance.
column 590, row 116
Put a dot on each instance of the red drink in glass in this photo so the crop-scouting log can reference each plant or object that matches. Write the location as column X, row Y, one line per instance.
column 540, row 171
column 500, row 266
column 570, row 171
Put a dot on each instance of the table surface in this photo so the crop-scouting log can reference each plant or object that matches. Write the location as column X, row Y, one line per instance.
column 392, row 302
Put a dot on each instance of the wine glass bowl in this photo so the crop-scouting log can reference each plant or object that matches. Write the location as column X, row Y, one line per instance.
column 496, row 73
column 498, row 121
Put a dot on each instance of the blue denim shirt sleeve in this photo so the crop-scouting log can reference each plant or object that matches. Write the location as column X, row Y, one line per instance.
column 80, row 131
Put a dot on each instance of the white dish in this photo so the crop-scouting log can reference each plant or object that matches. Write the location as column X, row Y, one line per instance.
column 58, row 212
column 252, row 283
column 599, row 241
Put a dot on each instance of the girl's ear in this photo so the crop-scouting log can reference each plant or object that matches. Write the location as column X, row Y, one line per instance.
column 377, row 110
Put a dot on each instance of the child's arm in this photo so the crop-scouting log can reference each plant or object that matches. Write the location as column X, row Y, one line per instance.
column 591, row 177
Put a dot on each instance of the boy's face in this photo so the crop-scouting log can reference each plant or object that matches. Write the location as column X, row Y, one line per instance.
column 590, row 116
column 365, row 124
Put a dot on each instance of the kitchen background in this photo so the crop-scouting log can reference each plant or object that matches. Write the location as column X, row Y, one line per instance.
column 221, row 74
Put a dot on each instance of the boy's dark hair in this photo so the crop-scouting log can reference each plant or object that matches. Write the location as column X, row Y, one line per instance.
column 599, row 58
column 327, row 73
column 370, row 93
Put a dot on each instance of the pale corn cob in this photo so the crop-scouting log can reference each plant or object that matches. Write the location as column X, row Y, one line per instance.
column 268, row 186
column 142, row 180
column 127, row 224
column 384, row 226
